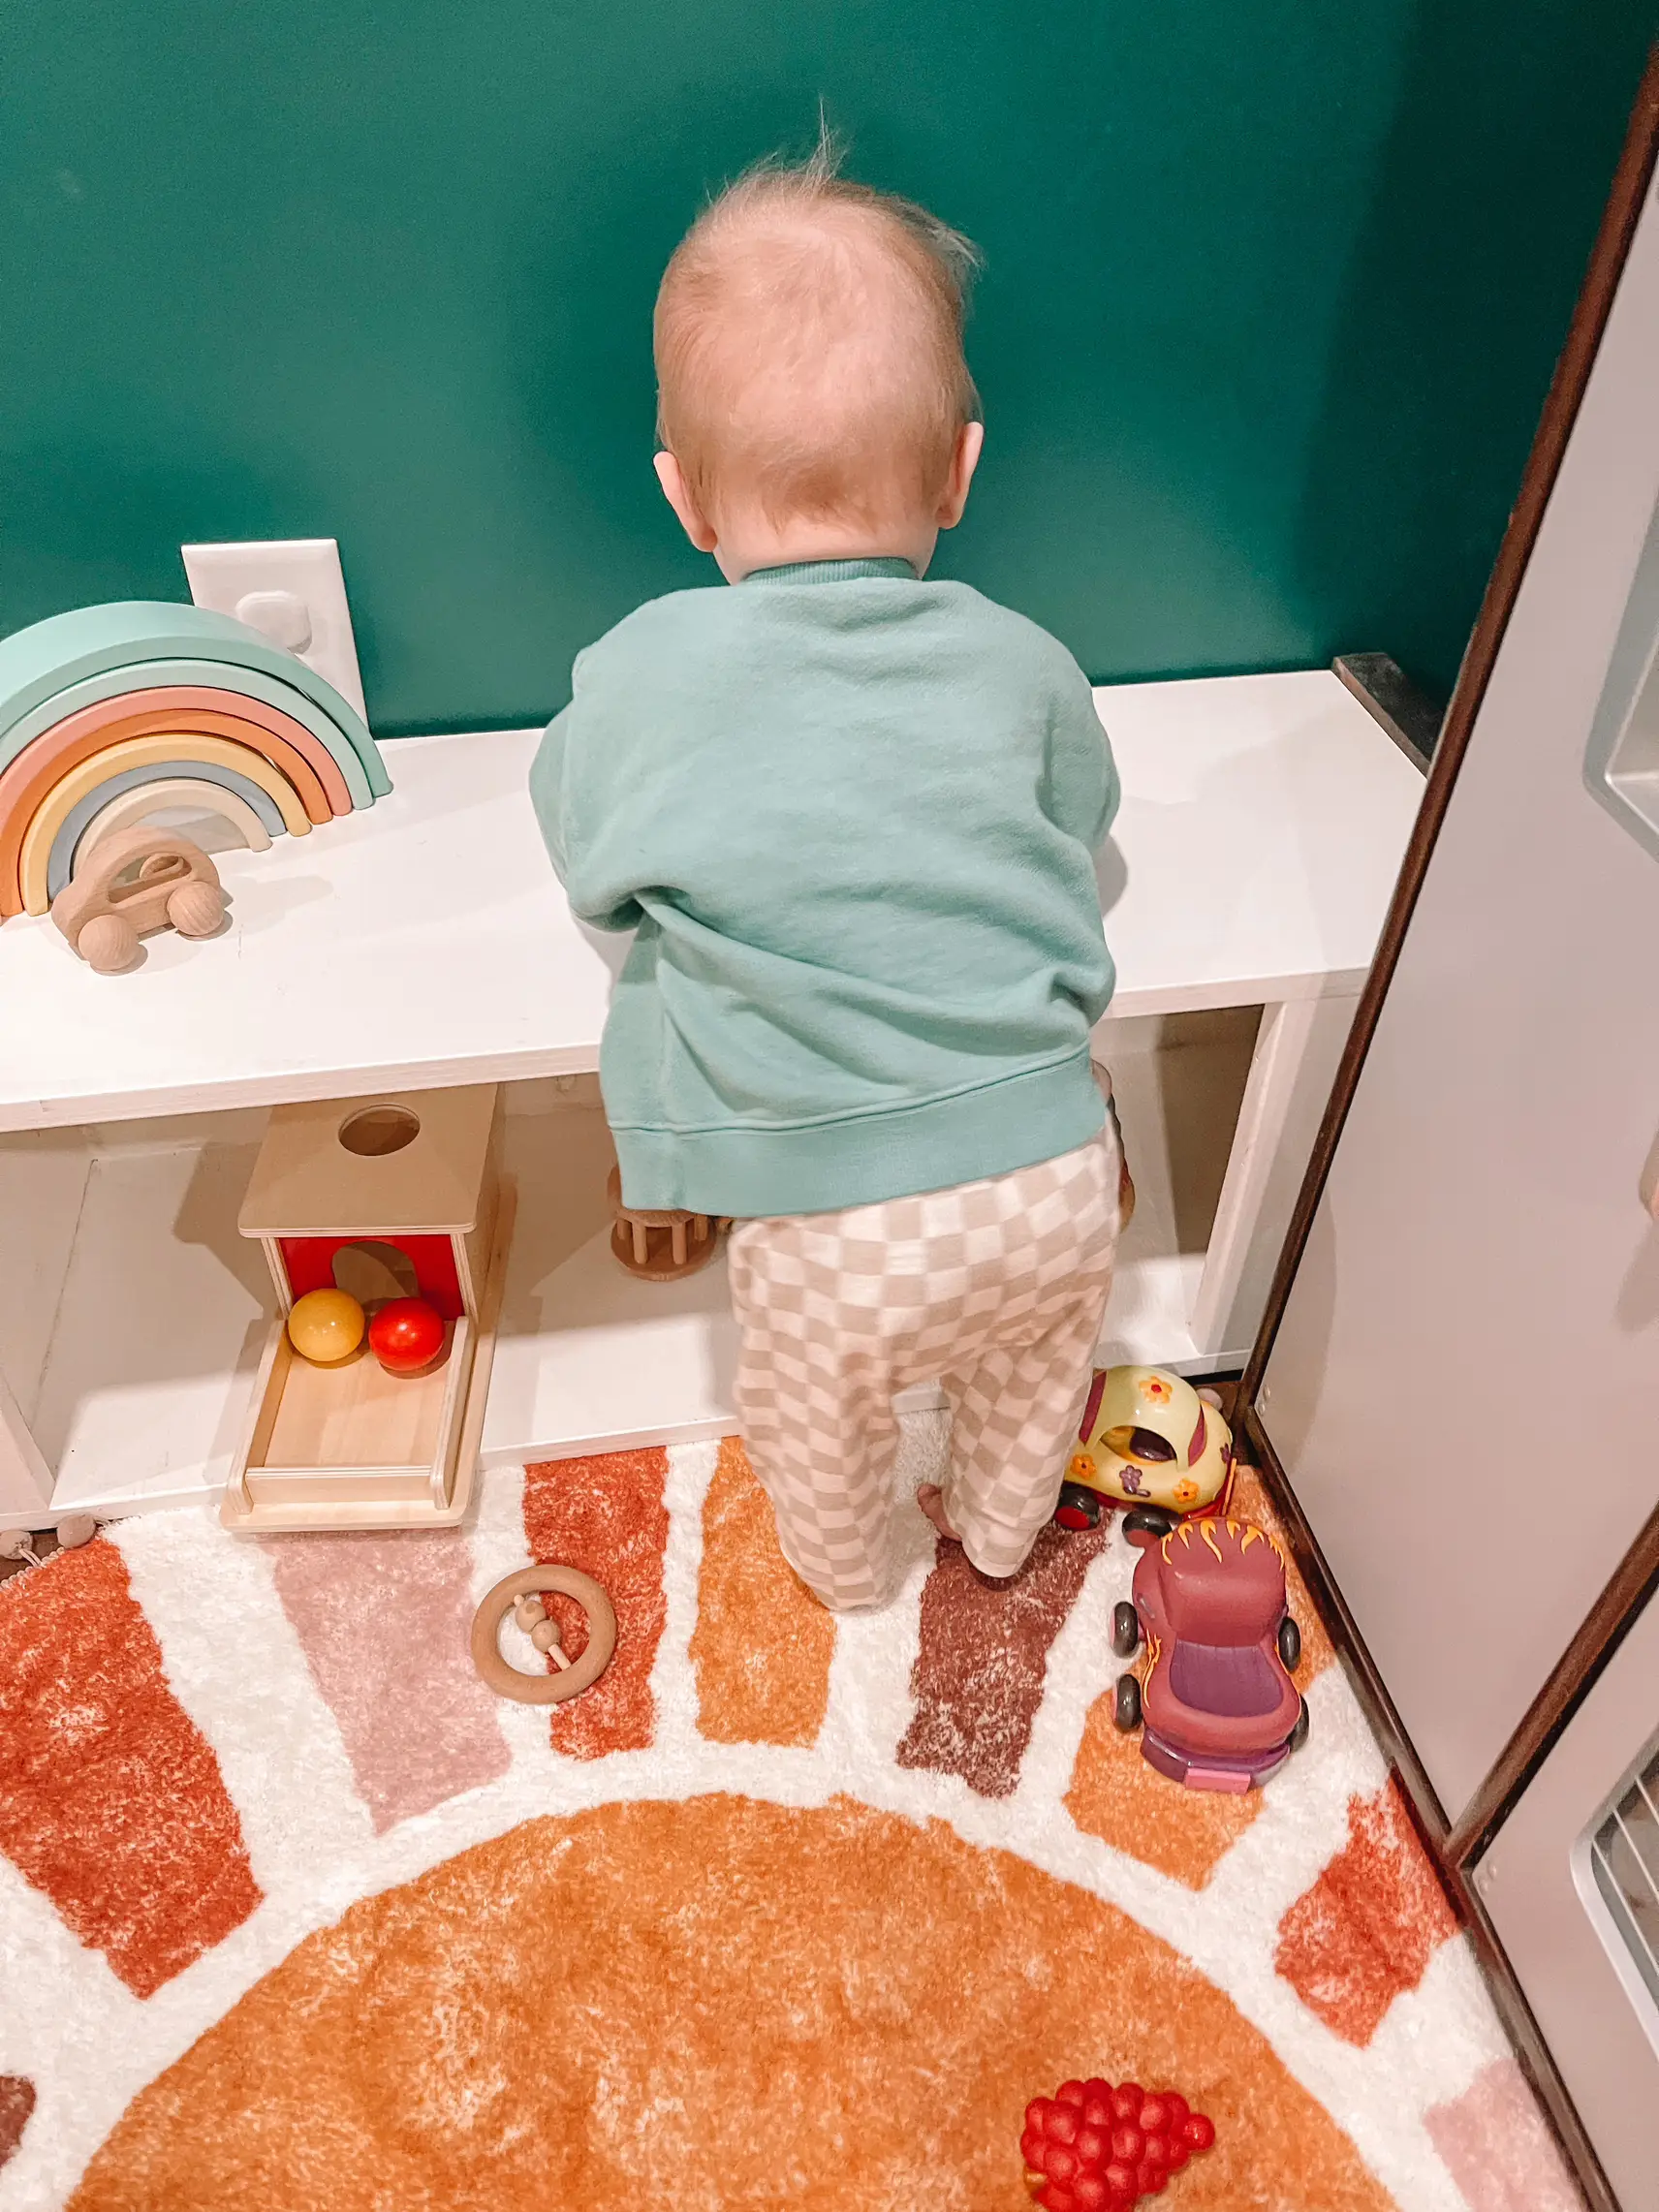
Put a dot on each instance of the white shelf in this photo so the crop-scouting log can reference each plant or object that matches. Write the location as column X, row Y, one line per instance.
column 164, row 1308
column 424, row 941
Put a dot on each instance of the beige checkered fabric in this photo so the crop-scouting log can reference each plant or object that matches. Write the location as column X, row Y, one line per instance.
column 996, row 1288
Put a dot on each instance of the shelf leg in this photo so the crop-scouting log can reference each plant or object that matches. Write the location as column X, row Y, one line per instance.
column 1290, row 1072
column 25, row 1479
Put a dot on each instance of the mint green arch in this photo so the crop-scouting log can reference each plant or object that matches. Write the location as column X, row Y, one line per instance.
column 218, row 675
column 38, row 664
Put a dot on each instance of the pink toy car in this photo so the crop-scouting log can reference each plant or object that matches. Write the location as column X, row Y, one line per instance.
column 1215, row 1703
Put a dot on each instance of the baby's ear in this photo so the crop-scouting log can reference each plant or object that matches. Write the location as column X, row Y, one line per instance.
column 970, row 444
column 678, row 495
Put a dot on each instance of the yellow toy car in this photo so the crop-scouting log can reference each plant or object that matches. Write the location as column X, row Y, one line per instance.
column 1147, row 1439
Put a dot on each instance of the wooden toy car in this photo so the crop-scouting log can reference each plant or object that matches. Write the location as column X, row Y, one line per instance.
column 1148, row 1438
column 1214, row 1703
column 133, row 882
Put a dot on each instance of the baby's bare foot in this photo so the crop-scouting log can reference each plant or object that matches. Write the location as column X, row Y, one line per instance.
column 931, row 1499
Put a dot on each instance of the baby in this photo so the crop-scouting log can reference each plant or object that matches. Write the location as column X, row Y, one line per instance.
column 851, row 817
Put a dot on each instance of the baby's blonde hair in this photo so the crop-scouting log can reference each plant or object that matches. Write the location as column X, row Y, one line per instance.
column 808, row 339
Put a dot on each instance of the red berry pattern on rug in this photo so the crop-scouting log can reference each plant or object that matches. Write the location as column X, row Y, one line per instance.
column 1093, row 2148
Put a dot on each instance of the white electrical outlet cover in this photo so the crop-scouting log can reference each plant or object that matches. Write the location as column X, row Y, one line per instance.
column 287, row 588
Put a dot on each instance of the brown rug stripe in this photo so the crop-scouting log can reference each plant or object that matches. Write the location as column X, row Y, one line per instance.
column 711, row 2005
column 111, row 1799
column 17, row 2103
column 606, row 1516
column 763, row 1644
column 983, row 1655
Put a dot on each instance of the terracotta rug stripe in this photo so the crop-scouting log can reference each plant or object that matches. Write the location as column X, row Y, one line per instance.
column 763, row 1644
column 1366, row 1930
column 983, row 1655
column 111, row 1799
column 382, row 1621
column 605, row 1515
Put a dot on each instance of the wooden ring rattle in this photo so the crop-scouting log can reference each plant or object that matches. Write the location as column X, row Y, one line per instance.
column 520, row 1593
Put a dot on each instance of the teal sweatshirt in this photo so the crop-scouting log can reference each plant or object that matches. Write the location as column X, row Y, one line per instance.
column 851, row 818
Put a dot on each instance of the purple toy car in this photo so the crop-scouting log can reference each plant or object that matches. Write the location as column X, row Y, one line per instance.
column 1215, row 1703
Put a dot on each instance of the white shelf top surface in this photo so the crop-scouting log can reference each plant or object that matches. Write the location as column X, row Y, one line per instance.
column 425, row 941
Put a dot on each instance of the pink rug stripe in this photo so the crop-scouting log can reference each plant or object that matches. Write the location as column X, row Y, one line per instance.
column 1498, row 2147
column 384, row 1622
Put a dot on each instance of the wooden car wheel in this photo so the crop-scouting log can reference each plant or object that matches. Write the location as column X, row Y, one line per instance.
column 507, row 1681
column 1125, row 1629
column 1126, row 1705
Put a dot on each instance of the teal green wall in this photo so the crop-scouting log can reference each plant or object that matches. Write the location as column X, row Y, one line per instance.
column 1274, row 291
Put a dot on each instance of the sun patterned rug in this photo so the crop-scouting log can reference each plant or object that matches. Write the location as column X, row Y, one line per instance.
column 788, row 1911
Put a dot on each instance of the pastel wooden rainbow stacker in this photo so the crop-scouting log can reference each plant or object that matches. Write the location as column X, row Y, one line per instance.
column 99, row 703
column 152, row 793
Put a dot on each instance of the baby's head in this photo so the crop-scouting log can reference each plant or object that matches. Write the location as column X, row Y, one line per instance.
column 814, row 403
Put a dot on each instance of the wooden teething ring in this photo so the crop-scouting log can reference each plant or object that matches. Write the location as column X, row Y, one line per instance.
column 543, row 1688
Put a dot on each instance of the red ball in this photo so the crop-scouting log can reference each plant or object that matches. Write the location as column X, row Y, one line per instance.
column 1036, row 2110
column 1095, row 2087
column 1126, row 2103
column 1155, row 2151
column 1198, row 2131
column 1120, row 2179
column 1091, row 2193
column 1058, row 2198
column 1151, row 2180
column 1060, row 2124
column 1153, row 2116
column 1180, row 2150
column 406, row 1335
column 1031, row 2147
column 1092, row 2144
column 1098, row 2112
column 1178, row 2108
column 1127, row 2144
column 1069, row 2092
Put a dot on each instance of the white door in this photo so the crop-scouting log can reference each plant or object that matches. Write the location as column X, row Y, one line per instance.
column 1572, row 1885
column 1465, row 1387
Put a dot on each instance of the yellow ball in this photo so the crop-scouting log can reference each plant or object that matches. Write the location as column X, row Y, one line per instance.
column 326, row 1326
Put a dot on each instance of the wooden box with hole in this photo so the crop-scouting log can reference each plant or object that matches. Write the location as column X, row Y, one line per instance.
column 385, row 1199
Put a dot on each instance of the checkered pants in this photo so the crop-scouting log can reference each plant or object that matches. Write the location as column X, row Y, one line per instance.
column 997, row 1289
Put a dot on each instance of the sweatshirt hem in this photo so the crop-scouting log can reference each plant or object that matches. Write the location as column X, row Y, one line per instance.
column 931, row 1144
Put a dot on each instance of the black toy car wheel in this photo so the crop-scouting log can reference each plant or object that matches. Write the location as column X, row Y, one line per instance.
column 1150, row 1520
column 1127, row 1710
column 1299, row 1734
column 1290, row 1643
column 1125, row 1629
column 1079, row 1508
